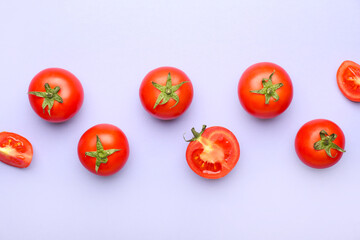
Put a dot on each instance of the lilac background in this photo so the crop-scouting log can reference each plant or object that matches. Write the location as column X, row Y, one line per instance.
column 110, row 46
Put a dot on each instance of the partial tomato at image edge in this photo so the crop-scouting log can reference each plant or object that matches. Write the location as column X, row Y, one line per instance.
column 348, row 80
column 103, row 149
column 15, row 150
column 166, row 93
column 213, row 152
column 55, row 94
column 265, row 90
column 320, row 143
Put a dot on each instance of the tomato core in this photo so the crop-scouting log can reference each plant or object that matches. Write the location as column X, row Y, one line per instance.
column 13, row 143
column 212, row 157
column 353, row 75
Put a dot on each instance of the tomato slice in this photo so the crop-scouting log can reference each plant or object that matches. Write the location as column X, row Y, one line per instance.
column 348, row 80
column 15, row 150
column 214, row 153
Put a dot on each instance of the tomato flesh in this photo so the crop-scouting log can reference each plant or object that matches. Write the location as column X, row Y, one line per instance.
column 15, row 150
column 209, row 159
column 348, row 79
column 214, row 154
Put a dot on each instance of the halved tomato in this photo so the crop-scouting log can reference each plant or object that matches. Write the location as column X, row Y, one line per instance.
column 213, row 152
column 348, row 80
column 15, row 150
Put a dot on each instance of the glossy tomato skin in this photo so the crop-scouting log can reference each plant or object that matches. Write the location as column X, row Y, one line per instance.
column 15, row 150
column 71, row 91
column 309, row 134
column 348, row 80
column 149, row 94
column 111, row 138
column 254, row 103
column 222, row 147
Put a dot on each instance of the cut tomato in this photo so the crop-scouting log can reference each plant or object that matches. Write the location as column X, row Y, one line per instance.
column 348, row 80
column 213, row 152
column 15, row 150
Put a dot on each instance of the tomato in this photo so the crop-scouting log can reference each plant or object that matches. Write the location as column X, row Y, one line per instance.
column 265, row 90
column 15, row 150
column 166, row 93
column 55, row 94
column 320, row 143
column 103, row 149
column 213, row 152
column 348, row 80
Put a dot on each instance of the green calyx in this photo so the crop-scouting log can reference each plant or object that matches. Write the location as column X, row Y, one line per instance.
column 196, row 134
column 326, row 143
column 167, row 92
column 50, row 96
column 269, row 89
column 100, row 154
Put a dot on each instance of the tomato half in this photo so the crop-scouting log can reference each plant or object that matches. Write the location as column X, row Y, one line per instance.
column 213, row 152
column 348, row 80
column 15, row 150
column 103, row 149
column 265, row 90
column 55, row 94
column 166, row 93
column 320, row 143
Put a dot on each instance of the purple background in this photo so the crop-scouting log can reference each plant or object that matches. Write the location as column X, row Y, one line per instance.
column 110, row 46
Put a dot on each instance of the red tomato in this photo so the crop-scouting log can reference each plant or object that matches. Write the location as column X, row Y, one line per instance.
column 265, row 90
column 15, row 150
column 320, row 143
column 166, row 93
column 348, row 80
column 213, row 152
column 103, row 149
column 55, row 94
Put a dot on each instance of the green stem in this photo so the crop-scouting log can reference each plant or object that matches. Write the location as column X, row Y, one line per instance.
column 196, row 134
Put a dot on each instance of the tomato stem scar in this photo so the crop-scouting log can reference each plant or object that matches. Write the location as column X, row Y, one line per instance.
column 50, row 96
column 100, row 154
column 167, row 92
column 326, row 143
column 269, row 89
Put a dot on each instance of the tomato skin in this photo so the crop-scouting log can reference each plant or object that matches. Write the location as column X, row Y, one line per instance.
column 214, row 137
column 111, row 138
column 309, row 134
column 149, row 94
column 71, row 92
column 15, row 150
column 348, row 80
column 254, row 103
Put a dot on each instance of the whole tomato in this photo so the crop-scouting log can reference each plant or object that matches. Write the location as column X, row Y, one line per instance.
column 15, row 150
column 320, row 143
column 166, row 93
column 213, row 152
column 265, row 90
column 103, row 149
column 55, row 94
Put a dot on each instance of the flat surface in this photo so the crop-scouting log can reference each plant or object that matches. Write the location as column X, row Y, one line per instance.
column 110, row 46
